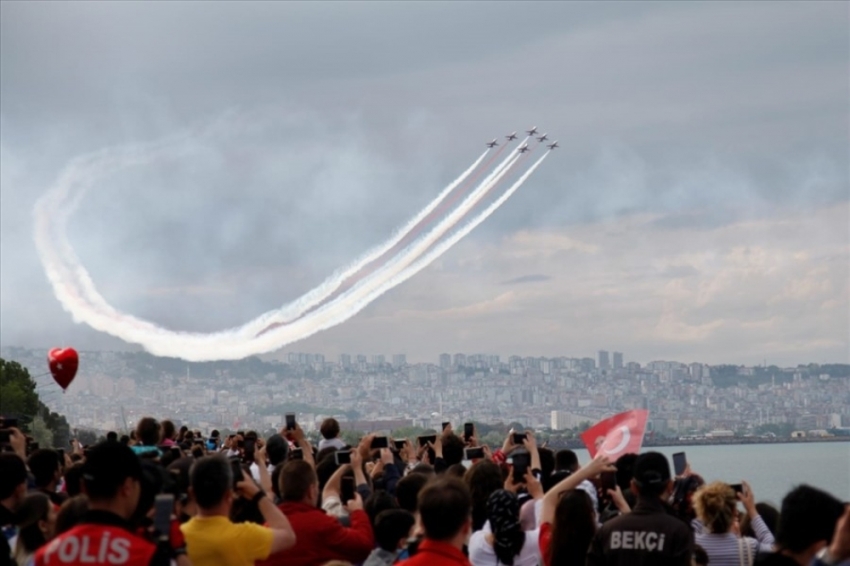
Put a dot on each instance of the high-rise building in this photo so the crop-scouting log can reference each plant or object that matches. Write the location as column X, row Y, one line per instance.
column 361, row 359
column 618, row 360
column 460, row 360
column 604, row 362
column 445, row 361
column 345, row 360
column 378, row 359
column 399, row 360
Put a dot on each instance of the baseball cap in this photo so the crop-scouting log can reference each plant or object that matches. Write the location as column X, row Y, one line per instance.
column 107, row 466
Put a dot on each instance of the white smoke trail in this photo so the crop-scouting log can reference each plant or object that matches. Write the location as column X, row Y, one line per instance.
column 77, row 293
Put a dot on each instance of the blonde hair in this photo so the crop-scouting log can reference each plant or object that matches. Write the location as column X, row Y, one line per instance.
column 716, row 506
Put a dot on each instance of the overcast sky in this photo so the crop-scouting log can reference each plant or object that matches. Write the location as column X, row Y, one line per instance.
column 698, row 209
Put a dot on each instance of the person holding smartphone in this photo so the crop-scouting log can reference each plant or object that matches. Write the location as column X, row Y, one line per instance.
column 211, row 538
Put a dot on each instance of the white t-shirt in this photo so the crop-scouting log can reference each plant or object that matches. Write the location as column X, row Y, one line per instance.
column 481, row 553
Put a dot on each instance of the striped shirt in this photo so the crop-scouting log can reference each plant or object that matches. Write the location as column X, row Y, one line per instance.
column 725, row 550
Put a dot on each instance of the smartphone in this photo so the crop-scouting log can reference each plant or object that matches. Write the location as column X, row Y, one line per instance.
column 163, row 507
column 519, row 438
column 399, row 443
column 342, row 457
column 33, row 446
column 468, row 431
column 608, row 480
column 5, row 435
column 424, row 440
column 737, row 487
column 296, row 454
column 521, row 462
column 679, row 463
column 379, row 442
column 236, row 468
column 250, row 446
column 10, row 423
column 61, row 452
column 446, row 425
column 290, row 421
column 346, row 491
column 473, row 453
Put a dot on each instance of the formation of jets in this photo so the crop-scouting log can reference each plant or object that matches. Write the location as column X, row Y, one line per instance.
column 524, row 147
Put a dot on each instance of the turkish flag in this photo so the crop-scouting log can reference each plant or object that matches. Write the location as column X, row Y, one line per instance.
column 617, row 435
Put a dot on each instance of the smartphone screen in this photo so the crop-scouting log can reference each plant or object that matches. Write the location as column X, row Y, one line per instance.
column 468, row 431
column 679, row 463
column 346, row 492
column 290, row 421
column 10, row 423
column 250, row 446
column 424, row 440
column 379, row 442
column 342, row 457
column 296, row 454
column 519, row 438
column 521, row 462
column 399, row 443
column 473, row 453
column 163, row 507
column 737, row 487
column 445, row 425
column 5, row 435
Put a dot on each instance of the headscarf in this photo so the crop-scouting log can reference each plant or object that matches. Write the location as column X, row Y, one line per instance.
column 508, row 536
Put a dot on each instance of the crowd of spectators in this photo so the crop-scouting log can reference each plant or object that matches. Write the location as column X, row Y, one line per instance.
column 164, row 495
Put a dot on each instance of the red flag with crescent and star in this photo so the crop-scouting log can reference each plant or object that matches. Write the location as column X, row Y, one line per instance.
column 617, row 435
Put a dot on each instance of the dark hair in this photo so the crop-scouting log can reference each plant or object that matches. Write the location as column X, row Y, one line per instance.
column 147, row 431
column 325, row 468
column 556, row 478
column 275, row 477
column 547, row 462
column 453, row 449
column 276, row 448
column 808, row 515
column 483, row 478
column 508, row 536
column 566, row 460
column 74, row 479
column 424, row 469
column 444, row 507
column 112, row 436
column 392, row 526
column 167, row 430
column 626, row 471
column 296, row 478
column 107, row 467
column 652, row 473
column 13, row 472
column 407, row 490
column 182, row 433
column 329, row 428
column 34, row 508
column 769, row 514
column 572, row 529
column 71, row 513
column 44, row 464
column 378, row 502
column 211, row 478
column 124, row 439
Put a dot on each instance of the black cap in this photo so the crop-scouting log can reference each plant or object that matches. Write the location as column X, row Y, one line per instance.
column 652, row 472
column 107, row 466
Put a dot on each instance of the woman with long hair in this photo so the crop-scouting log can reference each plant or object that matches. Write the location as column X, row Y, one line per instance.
column 567, row 518
column 504, row 542
column 36, row 522
column 483, row 478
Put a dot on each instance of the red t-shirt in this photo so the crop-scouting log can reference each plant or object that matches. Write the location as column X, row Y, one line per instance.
column 92, row 543
column 544, row 541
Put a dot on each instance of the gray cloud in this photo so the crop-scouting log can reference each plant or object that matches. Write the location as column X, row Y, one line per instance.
column 534, row 278
column 349, row 117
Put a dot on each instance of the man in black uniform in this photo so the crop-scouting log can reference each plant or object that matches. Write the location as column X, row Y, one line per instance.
column 648, row 536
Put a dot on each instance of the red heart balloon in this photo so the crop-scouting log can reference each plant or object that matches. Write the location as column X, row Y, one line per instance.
column 63, row 363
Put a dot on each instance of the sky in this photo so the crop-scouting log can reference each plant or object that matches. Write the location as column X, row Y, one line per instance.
column 698, row 208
